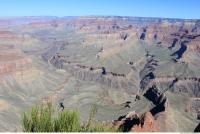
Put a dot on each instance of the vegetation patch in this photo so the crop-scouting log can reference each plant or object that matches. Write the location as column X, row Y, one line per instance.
column 44, row 118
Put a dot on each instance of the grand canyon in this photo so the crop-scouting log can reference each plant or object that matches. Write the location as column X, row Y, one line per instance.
column 142, row 73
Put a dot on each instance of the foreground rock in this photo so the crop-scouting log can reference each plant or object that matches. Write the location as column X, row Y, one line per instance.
column 152, row 121
column 134, row 123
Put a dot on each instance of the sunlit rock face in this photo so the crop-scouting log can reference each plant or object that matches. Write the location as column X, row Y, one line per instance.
column 122, row 64
column 133, row 123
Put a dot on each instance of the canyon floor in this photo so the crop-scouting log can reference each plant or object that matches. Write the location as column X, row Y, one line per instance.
column 147, row 66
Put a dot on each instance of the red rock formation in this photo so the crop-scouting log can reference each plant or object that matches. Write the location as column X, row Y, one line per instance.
column 147, row 124
column 133, row 123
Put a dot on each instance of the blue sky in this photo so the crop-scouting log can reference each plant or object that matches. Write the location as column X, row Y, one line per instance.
column 143, row 8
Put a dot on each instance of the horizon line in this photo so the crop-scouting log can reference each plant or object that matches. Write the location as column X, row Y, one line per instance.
column 173, row 18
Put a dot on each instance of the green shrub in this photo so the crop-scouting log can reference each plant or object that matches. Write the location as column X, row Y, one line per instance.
column 39, row 119
column 67, row 121
column 42, row 118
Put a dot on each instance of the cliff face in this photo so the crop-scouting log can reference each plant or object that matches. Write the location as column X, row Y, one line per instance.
column 133, row 123
column 144, row 123
column 147, row 124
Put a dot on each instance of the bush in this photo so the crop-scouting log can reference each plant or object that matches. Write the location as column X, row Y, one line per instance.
column 42, row 118
column 67, row 121
column 39, row 119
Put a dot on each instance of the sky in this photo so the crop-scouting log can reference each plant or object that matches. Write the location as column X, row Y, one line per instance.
column 186, row 9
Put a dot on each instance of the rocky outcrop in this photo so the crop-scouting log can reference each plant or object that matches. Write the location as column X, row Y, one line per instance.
column 189, row 85
column 147, row 124
column 126, row 122
column 147, row 73
column 158, row 98
column 180, row 52
column 110, row 79
column 132, row 122
column 149, row 121
column 160, row 110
